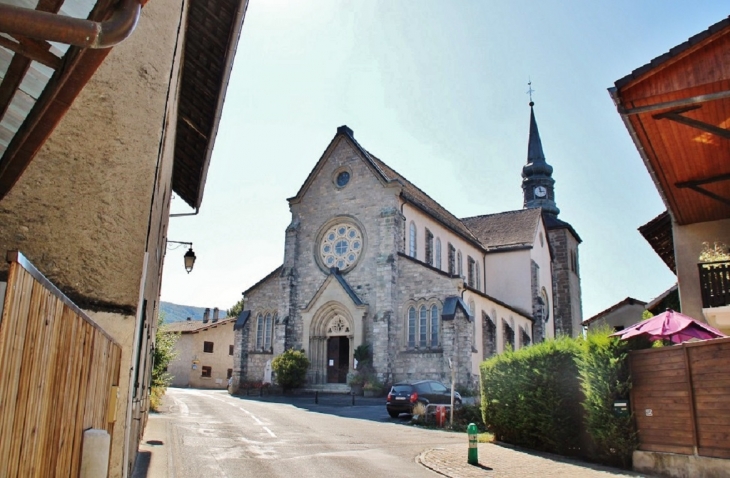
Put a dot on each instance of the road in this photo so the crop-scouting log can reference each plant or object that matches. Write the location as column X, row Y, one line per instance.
column 212, row 434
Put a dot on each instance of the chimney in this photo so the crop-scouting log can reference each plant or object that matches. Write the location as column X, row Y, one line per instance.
column 215, row 315
column 206, row 315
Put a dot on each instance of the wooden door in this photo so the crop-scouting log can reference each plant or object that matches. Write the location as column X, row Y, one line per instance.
column 338, row 363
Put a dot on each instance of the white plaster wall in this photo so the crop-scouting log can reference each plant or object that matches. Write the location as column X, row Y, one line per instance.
column 509, row 278
column 540, row 253
column 423, row 221
column 181, row 367
column 687, row 247
column 219, row 361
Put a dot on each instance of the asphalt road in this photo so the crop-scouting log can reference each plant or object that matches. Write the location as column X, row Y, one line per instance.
column 212, row 434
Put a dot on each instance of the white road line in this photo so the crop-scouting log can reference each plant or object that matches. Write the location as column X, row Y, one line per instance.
column 270, row 432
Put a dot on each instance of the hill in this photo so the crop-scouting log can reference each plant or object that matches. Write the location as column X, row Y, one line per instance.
column 177, row 313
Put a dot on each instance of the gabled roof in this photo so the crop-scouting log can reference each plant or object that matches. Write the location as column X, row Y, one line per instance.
column 268, row 276
column 675, row 109
column 506, row 229
column 451, row 305
column 626, row 302
column 552, row 222
column 335, row 276
column 195, row 326
column 388, row 175
column 242, row 319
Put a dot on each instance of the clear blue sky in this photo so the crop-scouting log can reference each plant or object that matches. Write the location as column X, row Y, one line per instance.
column 438, row 91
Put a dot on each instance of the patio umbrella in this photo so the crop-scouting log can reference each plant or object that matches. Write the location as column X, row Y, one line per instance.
column 670, row 325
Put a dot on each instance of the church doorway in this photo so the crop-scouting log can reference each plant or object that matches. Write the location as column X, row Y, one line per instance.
column 338, row 359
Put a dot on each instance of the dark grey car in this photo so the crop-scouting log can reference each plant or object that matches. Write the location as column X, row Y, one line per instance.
column 404, row 396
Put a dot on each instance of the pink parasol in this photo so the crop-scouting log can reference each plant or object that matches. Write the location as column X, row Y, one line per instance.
column 670, row 325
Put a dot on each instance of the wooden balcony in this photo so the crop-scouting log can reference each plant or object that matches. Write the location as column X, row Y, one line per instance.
column 715, row 283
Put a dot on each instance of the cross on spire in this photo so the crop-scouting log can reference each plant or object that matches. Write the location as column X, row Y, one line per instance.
column 530, row 90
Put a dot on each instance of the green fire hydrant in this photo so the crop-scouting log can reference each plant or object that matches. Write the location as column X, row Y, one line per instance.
column 473, row 451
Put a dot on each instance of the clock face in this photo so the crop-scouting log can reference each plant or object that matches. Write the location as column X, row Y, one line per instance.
column 540, row 191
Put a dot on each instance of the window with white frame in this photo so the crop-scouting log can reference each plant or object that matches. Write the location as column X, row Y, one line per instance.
column 437, row 259
column 412, row 243
column 423, row 326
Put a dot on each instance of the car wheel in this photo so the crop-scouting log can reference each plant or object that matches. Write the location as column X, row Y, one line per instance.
column 393, row 413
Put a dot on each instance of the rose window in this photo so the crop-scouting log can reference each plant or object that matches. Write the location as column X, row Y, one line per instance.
column 341, row 246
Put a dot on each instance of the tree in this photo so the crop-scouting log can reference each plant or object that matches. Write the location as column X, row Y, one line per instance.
column 291, row 369
column 237, row 308
column 164, row 353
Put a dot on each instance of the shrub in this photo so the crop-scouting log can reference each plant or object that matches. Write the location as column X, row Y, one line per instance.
column 291, row 369
column 531, row 397
column 605, row 377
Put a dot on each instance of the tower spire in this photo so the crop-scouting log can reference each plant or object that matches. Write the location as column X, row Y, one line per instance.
column 537, row 175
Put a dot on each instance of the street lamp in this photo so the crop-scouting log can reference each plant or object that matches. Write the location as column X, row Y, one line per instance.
column 189, row 256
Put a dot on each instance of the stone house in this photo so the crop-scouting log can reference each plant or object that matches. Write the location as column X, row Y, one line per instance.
column 204, row 352
column 372, row 259
column 93, row 142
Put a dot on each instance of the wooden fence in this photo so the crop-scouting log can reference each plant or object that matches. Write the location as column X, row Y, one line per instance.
column 60, row 373
column 681, row 398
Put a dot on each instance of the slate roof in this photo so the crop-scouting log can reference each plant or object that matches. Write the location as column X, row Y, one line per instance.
column 505, row 229
column 194, row 326
column 242, row 319
column 451, row 304
column 552, row 222
column 355, row 299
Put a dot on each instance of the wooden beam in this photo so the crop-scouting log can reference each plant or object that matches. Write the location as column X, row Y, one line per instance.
column 33, row 51
column 11, row 83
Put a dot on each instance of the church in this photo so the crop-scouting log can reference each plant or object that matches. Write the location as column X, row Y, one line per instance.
column 372, row 259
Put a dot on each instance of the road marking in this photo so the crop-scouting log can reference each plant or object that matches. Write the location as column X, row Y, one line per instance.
column 270, row 432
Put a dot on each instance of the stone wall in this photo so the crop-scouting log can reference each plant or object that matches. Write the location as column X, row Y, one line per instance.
column 567, row 307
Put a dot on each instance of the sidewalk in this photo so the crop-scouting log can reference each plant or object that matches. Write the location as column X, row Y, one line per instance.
column 503, row 461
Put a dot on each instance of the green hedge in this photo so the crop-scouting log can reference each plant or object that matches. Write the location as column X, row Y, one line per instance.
column 558, row 396
column 532, row 397
column 604, row 372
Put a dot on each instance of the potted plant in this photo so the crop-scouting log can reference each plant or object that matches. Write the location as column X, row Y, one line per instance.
column 372, row 387
column 356, row 381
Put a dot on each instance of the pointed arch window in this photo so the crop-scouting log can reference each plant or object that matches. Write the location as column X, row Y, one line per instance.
column 268, row 329
column 452, row 259
column 478, row 276
column 434, row 326
column 459, row 264
column 412, row 327
column 412, row 243
column 423, row 326
column 429, row 247
column 259, row 332
column 437, row 259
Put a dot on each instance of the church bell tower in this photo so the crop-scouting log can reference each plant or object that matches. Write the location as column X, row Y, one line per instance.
column 538, row 185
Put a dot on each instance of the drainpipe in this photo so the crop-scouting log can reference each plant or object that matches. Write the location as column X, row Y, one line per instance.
column 72, row 31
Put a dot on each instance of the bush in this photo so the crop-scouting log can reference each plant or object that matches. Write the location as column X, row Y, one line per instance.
column 605, row 377
column 291, row 369
column 531, row 397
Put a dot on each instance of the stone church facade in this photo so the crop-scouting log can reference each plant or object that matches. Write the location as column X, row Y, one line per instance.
column 371, row 259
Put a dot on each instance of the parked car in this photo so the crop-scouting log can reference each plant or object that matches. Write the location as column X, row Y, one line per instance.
column 404, row 396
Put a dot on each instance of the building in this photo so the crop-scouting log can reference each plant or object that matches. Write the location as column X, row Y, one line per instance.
column 674, row 108
column 372, row 259
column 617, row 317
column 93, row 142
column 204, row 352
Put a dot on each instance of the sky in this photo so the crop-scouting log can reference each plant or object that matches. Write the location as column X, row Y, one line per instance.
column 438, row 91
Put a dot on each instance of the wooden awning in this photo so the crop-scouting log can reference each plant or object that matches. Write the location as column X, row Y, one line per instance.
column 677, row 110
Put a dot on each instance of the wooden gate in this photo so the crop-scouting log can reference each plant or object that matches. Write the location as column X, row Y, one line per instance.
column 60, row 373
column 681, row 398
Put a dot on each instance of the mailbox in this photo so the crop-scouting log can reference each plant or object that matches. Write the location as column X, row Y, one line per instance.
column 621, row 408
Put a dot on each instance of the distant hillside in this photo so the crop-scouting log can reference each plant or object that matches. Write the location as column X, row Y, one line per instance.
column 177, row 313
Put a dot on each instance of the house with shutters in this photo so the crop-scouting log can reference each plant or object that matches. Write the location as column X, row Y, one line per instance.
column 372, row 259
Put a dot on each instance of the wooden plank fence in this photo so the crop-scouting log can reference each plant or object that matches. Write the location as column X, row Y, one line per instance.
column 681, row 398
column 60, row 373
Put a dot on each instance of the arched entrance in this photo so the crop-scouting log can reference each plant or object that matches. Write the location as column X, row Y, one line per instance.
column 330, row 344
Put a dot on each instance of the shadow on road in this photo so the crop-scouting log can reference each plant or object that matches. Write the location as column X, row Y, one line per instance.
column 334, row 404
